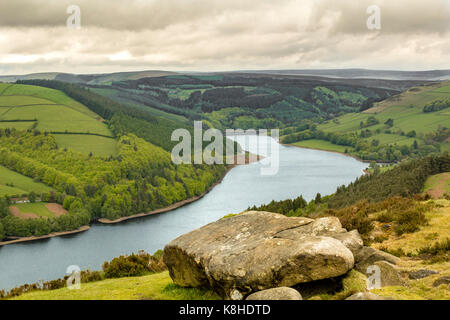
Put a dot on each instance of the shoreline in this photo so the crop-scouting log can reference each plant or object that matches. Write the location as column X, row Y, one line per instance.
column 365, row 171
column 332, row 151
column 173, row 206
column 135, row 216
column 178, row 204
column 50, row 235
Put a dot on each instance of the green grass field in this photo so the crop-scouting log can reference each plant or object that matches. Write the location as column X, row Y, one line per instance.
column 100, row 146
column 37, row 208
column 20, row 184
column 407, row 113
column 157, row 286
column 55, row 96
column 57, row 118
column 55, row 112
column 12, row 101
column 321, row 145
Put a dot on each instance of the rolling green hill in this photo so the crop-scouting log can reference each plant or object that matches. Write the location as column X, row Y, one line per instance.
column 30, row 107
column 405, row 109
column 88, row 78
column 245, row 101
column 397, row 123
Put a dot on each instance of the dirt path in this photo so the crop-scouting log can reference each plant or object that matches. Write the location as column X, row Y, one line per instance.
column 51, row 235
column 56, row 209
column 439, row 190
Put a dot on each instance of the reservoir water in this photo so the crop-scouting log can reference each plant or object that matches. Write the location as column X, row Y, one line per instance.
column 301, row 171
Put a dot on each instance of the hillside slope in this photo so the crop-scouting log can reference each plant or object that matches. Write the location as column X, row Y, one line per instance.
column 235, row 100
column 104, row 78
column 74, row 126
column 391, row 130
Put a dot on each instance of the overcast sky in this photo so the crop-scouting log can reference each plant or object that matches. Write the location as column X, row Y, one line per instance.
column 215, row 35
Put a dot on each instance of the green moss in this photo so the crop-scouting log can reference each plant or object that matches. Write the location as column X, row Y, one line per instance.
column 352, row 283
column 229, row 216
column 417, row 290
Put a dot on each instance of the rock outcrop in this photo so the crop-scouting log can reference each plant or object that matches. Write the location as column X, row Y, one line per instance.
column 255, row 251
column 282, row 293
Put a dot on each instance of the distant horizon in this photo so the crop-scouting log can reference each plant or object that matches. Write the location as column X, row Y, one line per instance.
column 228, row 71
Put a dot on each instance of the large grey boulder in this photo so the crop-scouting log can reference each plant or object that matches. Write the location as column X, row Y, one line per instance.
column 282, row 293
column 352, row 240
column 256, row 251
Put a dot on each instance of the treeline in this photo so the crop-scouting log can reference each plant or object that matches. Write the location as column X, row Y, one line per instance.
column 284, row 207
column 158, row 132
column 405, row 180
column 220, row 98
column 370, row 150
column 312, row 132
column 436, row 105
column 371, row 121
column 17, row 227
column 159, row 99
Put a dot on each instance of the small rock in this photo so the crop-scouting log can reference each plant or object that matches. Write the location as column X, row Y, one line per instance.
column 367, row 296
column 368, row 256
column 281, row 293
column 389, row 275
column 441, row 281
column 420, row 274
column 236, row 295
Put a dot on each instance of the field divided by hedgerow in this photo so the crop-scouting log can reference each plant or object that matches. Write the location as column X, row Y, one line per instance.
column 13, row 183
column 407, row 114
column 75, row 127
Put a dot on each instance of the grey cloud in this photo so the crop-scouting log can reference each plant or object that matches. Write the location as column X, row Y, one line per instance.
column 120, row 14
column 221, row 35
column 400, row 16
